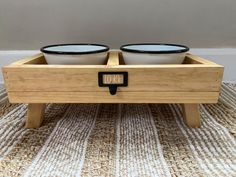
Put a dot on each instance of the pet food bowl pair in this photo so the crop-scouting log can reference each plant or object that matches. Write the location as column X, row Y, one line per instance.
column 95, row 54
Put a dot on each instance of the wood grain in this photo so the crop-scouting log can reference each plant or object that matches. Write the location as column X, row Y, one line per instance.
column 35, row 59
column 35, row 115
column 120, row 97
column 193, row 59
column 191, row 115
column 196, row 81
column 33, row 81
column 140, row 79
column 113, row 59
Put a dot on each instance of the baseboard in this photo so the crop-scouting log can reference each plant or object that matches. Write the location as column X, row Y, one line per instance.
column 223, row 56
column 229, row 82
column 9, row 56
column 214, row 51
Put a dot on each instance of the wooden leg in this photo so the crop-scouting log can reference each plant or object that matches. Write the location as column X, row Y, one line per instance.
column 35, row 115
column 191, row 115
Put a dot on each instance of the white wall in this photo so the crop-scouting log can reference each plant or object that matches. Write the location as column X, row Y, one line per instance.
column 225, row 57
column 31, row 24
column 200, row 24
column 7, row 57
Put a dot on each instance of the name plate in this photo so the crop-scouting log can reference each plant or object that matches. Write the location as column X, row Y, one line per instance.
column 113, row 79
column 106, row 79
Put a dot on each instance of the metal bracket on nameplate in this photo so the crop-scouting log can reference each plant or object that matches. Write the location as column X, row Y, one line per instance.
column 112, row 80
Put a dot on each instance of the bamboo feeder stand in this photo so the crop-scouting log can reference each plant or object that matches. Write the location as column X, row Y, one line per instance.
column 33, row 81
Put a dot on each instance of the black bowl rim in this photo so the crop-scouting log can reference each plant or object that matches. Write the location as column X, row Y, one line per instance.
column 44, row 49
column 154, row 52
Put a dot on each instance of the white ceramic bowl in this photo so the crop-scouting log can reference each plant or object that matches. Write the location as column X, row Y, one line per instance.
column 80, row 54
column 153, row 53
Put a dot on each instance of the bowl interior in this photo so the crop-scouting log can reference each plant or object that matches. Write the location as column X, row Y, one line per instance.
column 74, row 49
column 155, row 48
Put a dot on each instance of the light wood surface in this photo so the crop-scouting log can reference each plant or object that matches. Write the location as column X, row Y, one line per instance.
column 120, row 97
column 193, row 59
column 36, row 59
column 113, row 59
column 113, row 56
column 33, row 81
column 44, row 78
column 35, row 115
column 191, row 115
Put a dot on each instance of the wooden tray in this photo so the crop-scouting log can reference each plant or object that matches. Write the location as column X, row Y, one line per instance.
column 33, row 81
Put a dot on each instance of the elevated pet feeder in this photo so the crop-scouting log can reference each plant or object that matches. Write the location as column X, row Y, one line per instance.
column 34, row 81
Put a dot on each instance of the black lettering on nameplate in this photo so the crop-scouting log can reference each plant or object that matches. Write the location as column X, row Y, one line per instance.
column 112, row 80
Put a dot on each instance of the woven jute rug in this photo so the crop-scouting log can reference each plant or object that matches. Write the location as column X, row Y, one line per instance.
column 138, row 140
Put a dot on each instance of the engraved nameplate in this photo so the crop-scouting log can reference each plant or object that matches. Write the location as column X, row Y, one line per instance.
column 106, row 79
column 113, row 79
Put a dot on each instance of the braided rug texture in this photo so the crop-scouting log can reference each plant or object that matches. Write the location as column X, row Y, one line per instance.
column 136, row 140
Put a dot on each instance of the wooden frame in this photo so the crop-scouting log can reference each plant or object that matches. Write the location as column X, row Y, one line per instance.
column 195, row 81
